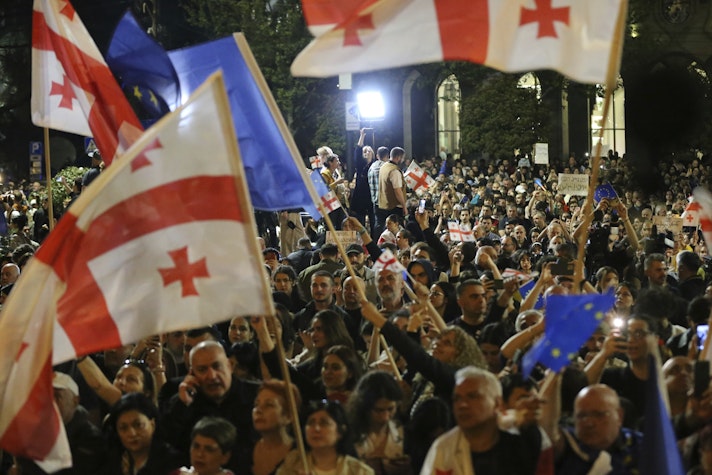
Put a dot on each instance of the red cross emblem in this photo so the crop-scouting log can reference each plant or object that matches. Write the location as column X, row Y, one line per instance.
column 419, row 180
column 184, row 271
column 689, row 218
column 330, row 200
column 142, row 160
column 351, row 28
column 545, row 16
column 65, row 90
column 67, row 10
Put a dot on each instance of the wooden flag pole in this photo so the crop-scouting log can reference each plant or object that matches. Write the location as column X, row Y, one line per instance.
column 48, row 172
column 611, row 81
column 281, row 355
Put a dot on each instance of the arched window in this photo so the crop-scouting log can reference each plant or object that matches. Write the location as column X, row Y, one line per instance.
column 530, row 81
column 613, row 125
column 449, row 116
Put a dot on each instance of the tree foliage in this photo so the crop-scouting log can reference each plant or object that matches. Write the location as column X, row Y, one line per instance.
column 497, row 117
column 276, row 32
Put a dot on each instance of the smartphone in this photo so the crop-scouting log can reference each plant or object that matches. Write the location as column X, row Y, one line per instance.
column 421, row 207
column 498, row 283
column 702, row 335
column 562, row 267
column 614, row 230
column 702, row 377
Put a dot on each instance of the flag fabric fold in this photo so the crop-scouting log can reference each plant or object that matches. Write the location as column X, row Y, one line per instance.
column 691, row 215
column 273, row 166
column 73, row 89
column 573, row 37
column 417, row 178
column 143, row 69
column 328, row 197
column 460, row 232
column 387, row 261
column 704, row 217
column 604, row 191
column 142, row 251
column 570, row 320
column 659, row 445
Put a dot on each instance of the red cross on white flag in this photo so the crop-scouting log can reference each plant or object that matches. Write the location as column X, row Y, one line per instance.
column 575, row 38
column 142, row 251
column 704, row 198
column 72, row 87
column 691, row 215
column 316, row 162
column 460, row 232
column 387, row 261
column 417, row 178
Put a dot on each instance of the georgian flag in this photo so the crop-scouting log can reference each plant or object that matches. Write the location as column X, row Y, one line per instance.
column 72, row 87
column 574, row 37
column 316, row 162
column 460, row 232
column 387, row 261
column 159, row 242
column 417, row 178
column 328, row 197
column 704, row 198
column 691, row 215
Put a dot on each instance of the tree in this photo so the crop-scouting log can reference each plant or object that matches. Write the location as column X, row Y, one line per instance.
column 276, row 32
column 498, row 116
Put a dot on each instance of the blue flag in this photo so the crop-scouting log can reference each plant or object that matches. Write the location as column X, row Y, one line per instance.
column 604, row 191
column 659, row 442
column 269, row 155
column 570, row 320
column 524, row 290
column 143, row 69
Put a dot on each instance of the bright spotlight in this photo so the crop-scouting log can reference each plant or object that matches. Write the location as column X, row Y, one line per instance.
column 370, row 105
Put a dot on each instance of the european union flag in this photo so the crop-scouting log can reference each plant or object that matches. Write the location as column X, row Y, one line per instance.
column 528, row 287
column 143, row 69
column 604, row 191
column 273, row 167
column 659, row 441
column 570, row 320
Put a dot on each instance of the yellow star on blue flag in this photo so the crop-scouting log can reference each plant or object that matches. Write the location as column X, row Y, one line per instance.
column 570, row 320
column 604, row 191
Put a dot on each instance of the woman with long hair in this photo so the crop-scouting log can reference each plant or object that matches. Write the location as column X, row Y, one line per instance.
column 379, row 435
column 330, row 449
column 432, row 373
column 134, row 445
column 326, row 330
column 341, row 370
column 134, row 376
column 444, row 299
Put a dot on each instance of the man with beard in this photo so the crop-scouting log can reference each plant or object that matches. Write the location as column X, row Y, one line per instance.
column 357, row 258
column 390, row 290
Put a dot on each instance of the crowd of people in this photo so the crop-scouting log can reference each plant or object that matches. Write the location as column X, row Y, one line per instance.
column 393, row 373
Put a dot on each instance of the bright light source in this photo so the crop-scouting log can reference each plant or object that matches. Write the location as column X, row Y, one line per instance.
column 370, row 105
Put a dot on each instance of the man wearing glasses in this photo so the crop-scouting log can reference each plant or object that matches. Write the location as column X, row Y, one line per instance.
column 628, row 381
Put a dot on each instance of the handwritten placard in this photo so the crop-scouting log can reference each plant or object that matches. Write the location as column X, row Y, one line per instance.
column 572, row 184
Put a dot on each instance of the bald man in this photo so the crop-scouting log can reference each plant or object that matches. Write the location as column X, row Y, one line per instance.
column 598, row 439
column 9, row 274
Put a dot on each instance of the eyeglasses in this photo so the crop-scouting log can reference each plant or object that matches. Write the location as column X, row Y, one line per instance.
column 437, row 294
column 637, row 334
